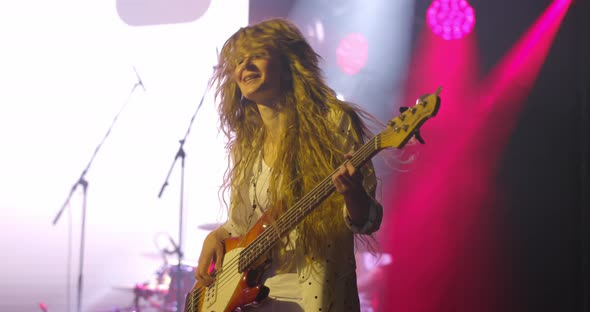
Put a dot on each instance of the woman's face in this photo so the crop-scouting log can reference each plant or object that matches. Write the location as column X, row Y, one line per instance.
column 258, row 75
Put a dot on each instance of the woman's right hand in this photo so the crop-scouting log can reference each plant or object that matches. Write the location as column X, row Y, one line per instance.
column 212, row 252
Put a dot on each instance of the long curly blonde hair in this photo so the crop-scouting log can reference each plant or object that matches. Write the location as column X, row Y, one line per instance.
column 308, row 153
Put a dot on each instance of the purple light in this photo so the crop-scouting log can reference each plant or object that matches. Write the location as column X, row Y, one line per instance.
column 352, row 53
column 450, row 19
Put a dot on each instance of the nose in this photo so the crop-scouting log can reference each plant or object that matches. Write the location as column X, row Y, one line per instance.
column 245, row 64
column 248, row 62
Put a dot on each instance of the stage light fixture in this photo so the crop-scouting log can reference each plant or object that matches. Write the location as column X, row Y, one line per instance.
column 450, row 19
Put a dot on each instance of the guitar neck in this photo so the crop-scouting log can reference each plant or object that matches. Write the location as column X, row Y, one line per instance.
column 302, row 208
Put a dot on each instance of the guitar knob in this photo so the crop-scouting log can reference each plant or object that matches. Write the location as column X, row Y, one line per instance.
column 264, row 291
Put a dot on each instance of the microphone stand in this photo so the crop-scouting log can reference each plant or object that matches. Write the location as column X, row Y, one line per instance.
column 84, row 184
column 178, row 248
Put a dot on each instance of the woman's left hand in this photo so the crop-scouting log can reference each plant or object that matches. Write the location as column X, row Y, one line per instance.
column 348, row 180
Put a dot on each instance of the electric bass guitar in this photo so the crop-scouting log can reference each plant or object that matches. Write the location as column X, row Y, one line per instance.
column 238, row 284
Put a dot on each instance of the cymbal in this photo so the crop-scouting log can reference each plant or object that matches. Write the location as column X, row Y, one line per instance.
column 209, row 226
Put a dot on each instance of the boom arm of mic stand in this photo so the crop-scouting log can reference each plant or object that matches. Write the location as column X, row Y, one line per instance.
column 179, row 154
column 81, row 181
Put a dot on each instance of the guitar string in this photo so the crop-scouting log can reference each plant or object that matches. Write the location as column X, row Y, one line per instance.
column 254, row 250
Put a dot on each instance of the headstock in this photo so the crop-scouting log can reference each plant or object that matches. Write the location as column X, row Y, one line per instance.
column 401, row 128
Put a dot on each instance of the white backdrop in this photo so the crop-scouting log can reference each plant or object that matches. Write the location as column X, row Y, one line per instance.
column 66, row 70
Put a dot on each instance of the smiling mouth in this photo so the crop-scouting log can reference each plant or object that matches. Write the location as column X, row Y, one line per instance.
column 250, row 77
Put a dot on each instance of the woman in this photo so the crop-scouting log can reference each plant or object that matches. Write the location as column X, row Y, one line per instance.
column 286, row 133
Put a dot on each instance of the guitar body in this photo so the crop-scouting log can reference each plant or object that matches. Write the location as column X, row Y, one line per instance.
column 232, row 289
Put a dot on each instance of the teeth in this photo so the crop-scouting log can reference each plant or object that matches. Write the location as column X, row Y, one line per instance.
column 248, row 78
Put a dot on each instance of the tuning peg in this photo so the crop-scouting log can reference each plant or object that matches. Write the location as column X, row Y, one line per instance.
column 418, row 136
column 403, row 109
